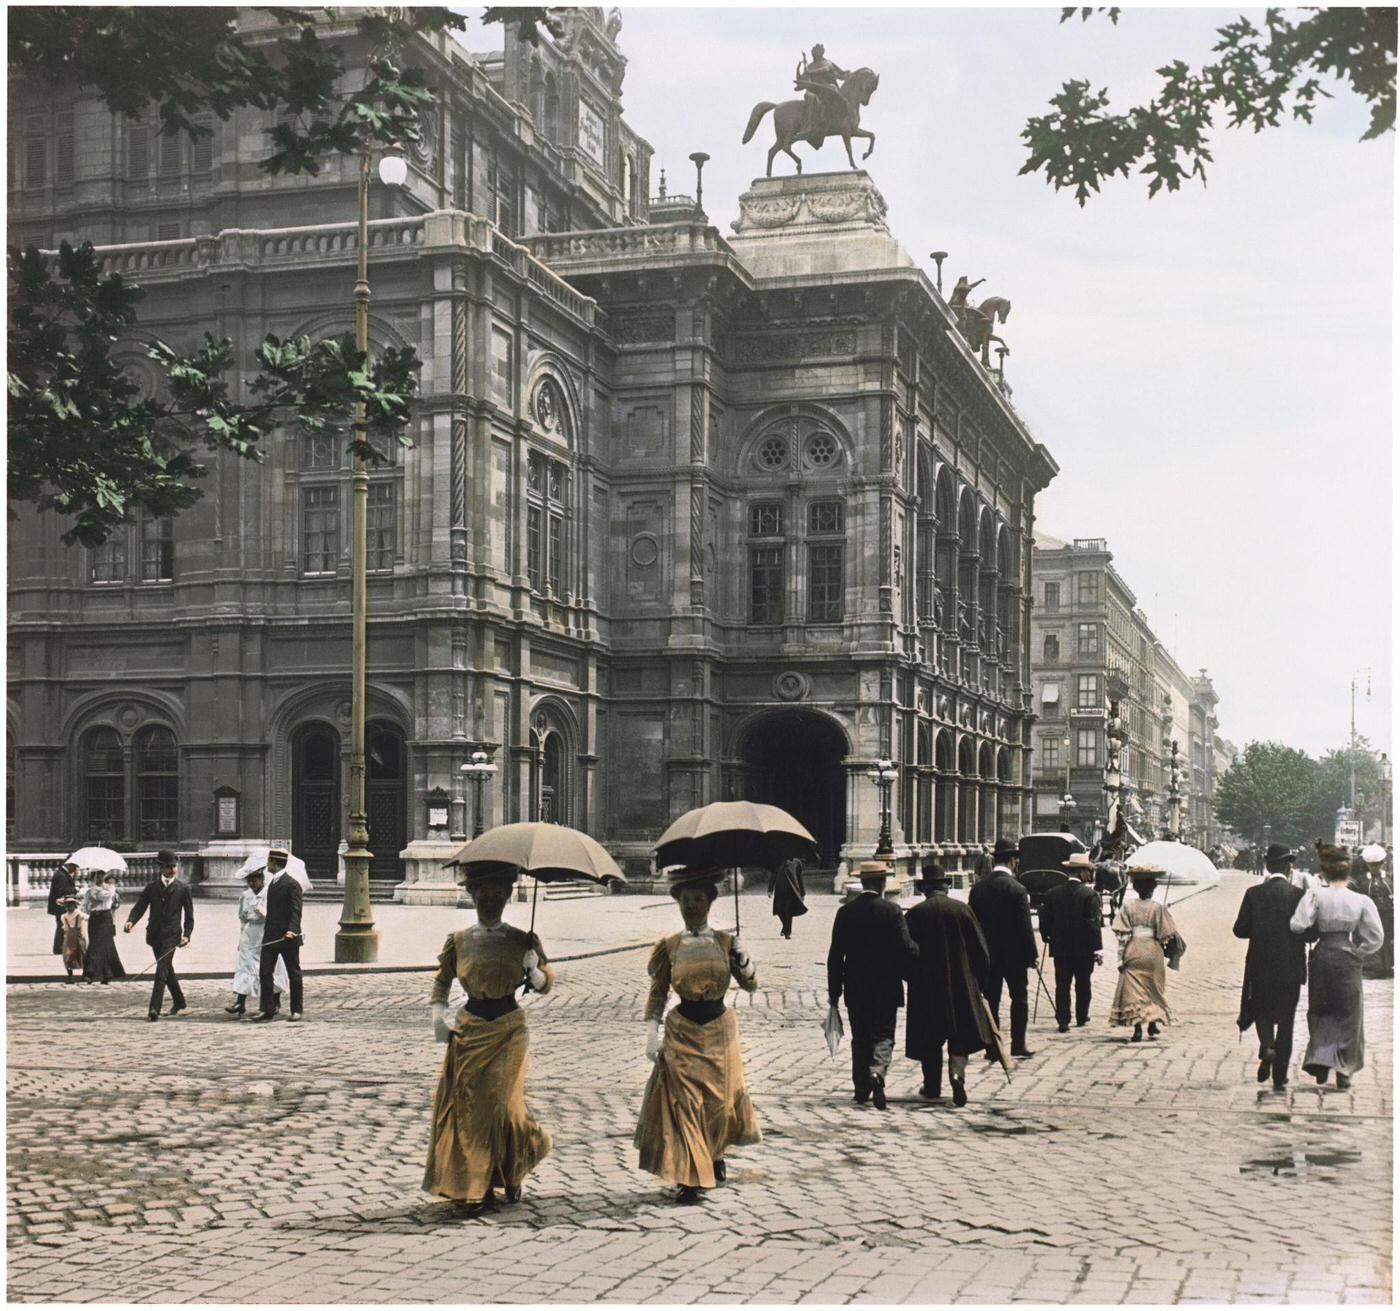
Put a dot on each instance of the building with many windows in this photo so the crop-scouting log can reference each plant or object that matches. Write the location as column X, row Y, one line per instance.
column 685, row 516
column 1091, row 646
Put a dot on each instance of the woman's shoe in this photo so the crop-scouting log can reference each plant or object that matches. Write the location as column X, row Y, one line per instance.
column 687, row 1195
column 512, row 1194
column 1343, row 1081
column 469, row 1210
column 959, row 1093
column 1153, row 1030
column 721, row 1172
column 1137, row 1033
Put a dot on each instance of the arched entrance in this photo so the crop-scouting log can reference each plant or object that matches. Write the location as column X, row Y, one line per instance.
column 385, row 797
column 793, row 759
column 316, row 798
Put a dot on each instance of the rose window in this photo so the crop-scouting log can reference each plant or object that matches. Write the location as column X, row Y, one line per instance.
column 822, row 450
column 772, row 453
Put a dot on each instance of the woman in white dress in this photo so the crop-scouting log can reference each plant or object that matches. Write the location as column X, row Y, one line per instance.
column 252, row 911
column 1346, row 928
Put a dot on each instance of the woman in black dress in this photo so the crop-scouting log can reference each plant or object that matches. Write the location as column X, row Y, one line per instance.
column 100, row 900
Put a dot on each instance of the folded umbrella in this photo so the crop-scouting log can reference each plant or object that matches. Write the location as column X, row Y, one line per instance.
column 1003, row 1054
column 832, row 1029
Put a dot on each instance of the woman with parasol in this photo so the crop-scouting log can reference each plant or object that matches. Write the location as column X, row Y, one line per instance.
column 100, row 900
column 1145, row 931
column 695, row 1106
column 483, row 1137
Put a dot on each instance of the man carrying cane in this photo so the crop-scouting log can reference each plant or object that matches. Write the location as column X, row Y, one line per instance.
column 1003, row 909
column 171, row 925
column 281, row 936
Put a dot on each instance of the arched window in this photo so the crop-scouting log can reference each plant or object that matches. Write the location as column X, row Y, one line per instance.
column 104, row 786
column 157, row 786
column 1052, row 648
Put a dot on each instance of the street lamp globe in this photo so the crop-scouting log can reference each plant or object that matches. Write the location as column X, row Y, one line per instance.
column 393, row 168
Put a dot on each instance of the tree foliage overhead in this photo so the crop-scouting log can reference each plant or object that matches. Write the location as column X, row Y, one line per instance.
column 1262, row 76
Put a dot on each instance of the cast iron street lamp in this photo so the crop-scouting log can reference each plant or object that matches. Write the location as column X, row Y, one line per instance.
column 883, row 774
column 480, row 768
column 358, row 941
column 1067, row 801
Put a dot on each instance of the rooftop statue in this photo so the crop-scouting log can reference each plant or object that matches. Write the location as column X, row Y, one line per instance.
column 830, row 107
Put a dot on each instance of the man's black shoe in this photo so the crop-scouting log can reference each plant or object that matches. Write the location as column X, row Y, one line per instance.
column 262, row 1016
column 861, row 1097
column 931, row 1094
column 959, row 1093
column 1343, row 1080
column 1280, row 1085
column 178, row 1007
column 1266, row 1066
column 991, row 1054
column 877, row 1092
column 1022, row 1052
column 153, row 1016
column 1081, row 1023
column 1064, row 1028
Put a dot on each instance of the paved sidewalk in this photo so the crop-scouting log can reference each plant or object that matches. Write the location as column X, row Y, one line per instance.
column 202, row 1160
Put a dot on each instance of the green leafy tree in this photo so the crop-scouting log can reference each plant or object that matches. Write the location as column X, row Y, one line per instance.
column 1332, row 789
column 1262, row 76
column 86, row 438
column 1271, row 784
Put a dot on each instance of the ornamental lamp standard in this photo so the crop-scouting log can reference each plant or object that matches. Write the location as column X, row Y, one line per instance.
column 357, row 941
column 699, row 159
column 883, row 774
column 1067, row 802
column 479, row 768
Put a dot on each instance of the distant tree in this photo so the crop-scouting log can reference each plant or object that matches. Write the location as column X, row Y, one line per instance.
column 1332, row 789
column 1262, row 76
column 1271, row 784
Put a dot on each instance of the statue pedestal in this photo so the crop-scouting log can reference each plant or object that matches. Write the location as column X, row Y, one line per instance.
column 815, row 223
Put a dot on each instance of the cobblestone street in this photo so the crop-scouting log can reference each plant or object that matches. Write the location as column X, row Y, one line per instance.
column 205, row 1160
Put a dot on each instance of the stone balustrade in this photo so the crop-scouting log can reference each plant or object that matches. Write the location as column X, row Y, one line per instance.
column 564, row 248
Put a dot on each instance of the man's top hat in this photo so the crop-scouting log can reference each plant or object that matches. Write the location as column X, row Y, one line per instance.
column 166, row 860
column 872, row 869
column 1004, row 848
column 1277, row 851
column 1077, row 860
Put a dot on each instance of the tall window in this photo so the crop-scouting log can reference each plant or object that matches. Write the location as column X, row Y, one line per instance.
column 1088, row 691
column 36, row 150
column 320, row 529
column 1052, row 596
column 826, row 561
column 1050, row 754
column 1052, row 648
column 766, row 562
column 547, row 487
column 65, row 149
column 109, row 559
column 379, row 537
column 104, row 785
column 1088, row 585
column 157, row 549
column 1088, row 639
column 1086, row 749
column 157, row 786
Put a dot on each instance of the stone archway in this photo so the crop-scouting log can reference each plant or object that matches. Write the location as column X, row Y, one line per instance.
column 793, row 759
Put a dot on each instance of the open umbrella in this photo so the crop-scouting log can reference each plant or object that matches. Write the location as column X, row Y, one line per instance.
column 1182, row 862
column 549, row 853
column 97, row 858
column 296, row 866
column 734, row 833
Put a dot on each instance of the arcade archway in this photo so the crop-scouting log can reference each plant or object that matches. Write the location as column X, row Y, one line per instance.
column 794, row 759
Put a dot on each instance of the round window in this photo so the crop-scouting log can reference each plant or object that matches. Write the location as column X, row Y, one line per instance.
column 772, row 453
column 822, row 450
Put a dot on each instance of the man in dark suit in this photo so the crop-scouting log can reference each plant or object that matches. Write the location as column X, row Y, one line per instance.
column 1071, row 922
column 171, row 925
column 945, row 987
column 1003, row 909
column 1275, row 966
column 61, row 886
column 870, row 957
column 281, row 937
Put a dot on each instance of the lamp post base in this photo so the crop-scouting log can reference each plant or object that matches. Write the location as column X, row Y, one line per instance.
column 356, row 946
column 357, row 943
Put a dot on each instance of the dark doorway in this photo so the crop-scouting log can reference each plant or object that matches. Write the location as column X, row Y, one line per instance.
column 385, row 795
column 554, row 798
column 316, row 798
column 793, row 760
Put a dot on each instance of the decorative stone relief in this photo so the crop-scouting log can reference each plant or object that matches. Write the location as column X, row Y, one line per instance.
column 631, row 329
column 794, row 345
column 791, row 686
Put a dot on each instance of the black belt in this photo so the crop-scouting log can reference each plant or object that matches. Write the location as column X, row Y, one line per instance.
column 491, row 1008
column 701, row 1012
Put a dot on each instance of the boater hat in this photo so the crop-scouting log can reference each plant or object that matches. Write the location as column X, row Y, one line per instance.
column 1136, row 872
column 1373, row 853
column 871, row 869
column 1078, row 860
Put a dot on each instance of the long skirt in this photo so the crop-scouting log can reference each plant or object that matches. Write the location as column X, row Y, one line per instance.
column 74, row 948
column 103, row 962
column 1141, row 997
column 483, row 1137
column 1336, row 1037
column 695, row 1106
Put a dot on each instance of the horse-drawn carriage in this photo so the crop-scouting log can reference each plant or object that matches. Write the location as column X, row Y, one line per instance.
column 1041, row 858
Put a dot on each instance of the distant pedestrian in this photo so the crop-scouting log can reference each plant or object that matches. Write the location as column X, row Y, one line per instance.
column 281, row 938
column 247, row 964
column 789, row 894
column 946, row 1006
column 100, row 901
column 1071, row 923
column 1346, row 929
column 64, row 884
column 870, row 957
column 1378, row 887
column 170, row 926
column 1145, row 931
column 1275, row 966
column 1003, row 909
column 696, row 1105
column 74, row 940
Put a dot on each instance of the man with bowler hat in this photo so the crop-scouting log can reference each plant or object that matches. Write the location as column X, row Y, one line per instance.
column 945, row 987
column 1071, row 922
column 281, row 937
column 171, row 925
column 870, row 957
column 63, row 885
column 1003, row 909
column 1275, row 966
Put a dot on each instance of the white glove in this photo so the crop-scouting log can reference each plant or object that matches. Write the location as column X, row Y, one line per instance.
column 440, row 1030
column 740, row 958
column 653, row 1039
column 530, row 960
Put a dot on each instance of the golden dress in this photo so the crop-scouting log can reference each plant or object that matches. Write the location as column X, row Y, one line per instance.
column 482, row 1136
column 695, row 1106
column 1141, row 997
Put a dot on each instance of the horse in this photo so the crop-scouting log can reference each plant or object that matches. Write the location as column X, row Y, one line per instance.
column 993, row 310
column 838, row 115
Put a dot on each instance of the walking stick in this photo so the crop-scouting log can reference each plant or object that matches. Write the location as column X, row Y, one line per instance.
column 1039, row 969
column 158, row 960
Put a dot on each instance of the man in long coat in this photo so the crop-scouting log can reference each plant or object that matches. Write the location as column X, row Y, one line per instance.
column 1275, row 966
column 870, row 957
column 789, row 894
column 1071, row 922
column 945, row 986
column 1003, row 909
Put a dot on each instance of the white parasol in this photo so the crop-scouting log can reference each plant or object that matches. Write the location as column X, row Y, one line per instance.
column 1182, row 862
column 89, row 858
column 296, row 867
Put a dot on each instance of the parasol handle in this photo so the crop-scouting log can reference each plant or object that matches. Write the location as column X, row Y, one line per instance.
column 534, row 900
column 734, row 843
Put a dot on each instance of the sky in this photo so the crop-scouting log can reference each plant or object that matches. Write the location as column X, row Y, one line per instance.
column 1211, row 369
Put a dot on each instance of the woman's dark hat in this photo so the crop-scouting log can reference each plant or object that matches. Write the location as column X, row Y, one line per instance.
column 1277, row 851
column 688, row 876
column 475, row 875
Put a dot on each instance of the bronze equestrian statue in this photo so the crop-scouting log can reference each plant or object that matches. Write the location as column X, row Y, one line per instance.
column 830, row 107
